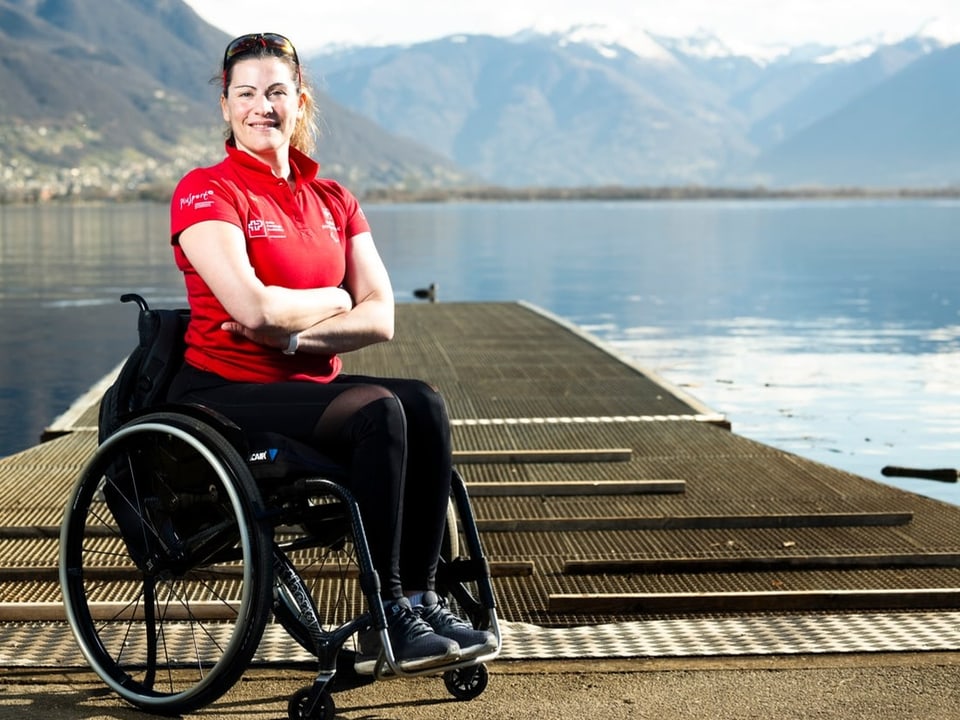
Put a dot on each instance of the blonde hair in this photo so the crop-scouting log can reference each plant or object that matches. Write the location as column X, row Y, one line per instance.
column 307, row 131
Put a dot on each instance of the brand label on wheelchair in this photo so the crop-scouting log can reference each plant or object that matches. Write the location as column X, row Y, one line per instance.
column 263, row 456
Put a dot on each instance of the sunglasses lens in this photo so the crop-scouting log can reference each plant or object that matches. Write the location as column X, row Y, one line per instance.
column 279, row 42
column 247, row 43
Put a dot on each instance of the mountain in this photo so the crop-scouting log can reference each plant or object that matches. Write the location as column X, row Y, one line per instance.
column 595, row 106
column 898, row 132
column 544, row 110
column 113, row 75
column 833, row 87
column 103, row 96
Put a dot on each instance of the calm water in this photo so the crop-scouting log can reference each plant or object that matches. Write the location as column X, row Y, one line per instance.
column 830, row 329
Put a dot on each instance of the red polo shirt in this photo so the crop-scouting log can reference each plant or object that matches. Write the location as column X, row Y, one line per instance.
column 295, row 238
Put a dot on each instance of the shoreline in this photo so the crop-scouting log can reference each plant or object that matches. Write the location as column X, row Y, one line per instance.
column 489, row 193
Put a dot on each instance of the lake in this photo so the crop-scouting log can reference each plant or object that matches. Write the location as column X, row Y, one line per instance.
column 826, row 328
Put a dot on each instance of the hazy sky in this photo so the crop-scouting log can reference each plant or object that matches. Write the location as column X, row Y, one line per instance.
column 742, row 22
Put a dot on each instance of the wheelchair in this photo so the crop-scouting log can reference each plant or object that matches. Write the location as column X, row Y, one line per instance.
column 185, row 539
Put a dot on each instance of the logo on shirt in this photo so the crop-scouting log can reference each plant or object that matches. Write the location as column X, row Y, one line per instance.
column 330, row 225
column 197, row 201
column 257, row 228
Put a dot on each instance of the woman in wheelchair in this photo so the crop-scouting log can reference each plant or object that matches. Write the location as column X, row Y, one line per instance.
column 282, row 277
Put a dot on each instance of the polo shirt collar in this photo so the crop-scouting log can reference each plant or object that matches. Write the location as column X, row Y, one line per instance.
column 304, row 167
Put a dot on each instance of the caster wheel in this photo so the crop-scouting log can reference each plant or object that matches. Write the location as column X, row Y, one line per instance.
column 466, row 683
column 297, row 707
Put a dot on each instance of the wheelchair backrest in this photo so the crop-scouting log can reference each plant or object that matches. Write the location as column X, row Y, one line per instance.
column 145, row 376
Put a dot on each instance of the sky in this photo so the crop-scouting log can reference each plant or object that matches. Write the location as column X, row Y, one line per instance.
column 741, row 23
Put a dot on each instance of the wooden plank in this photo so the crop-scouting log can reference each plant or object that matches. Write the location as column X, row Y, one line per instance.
column 503, row 568
column 32, row 612
column 578, row 487
column 120, row 611
column 30, row 532
column 129, row 573
column 693, row 522
column 761, row 601
column 758, row 564
column 507, row 457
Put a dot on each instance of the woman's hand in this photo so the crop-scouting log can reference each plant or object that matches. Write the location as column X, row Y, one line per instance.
column 270, row 337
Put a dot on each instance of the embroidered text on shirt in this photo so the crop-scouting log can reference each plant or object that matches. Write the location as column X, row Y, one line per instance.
column 330, row 225
column 257, row 228
column 197, row 200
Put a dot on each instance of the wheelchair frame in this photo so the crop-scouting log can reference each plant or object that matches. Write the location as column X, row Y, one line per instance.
column 174, row 556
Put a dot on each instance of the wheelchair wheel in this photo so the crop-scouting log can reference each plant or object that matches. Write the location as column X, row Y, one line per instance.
column 466, row 683
column 326, row 708
column 165, row 563
column 322, row 553
column 322, row 557
column 450, row 547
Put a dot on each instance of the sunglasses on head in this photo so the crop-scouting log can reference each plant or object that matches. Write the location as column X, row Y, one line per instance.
column 253, row 42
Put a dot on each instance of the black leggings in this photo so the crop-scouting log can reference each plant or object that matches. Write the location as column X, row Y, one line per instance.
column 393, row 436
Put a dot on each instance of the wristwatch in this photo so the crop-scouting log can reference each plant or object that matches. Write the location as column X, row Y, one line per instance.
column 292, row 344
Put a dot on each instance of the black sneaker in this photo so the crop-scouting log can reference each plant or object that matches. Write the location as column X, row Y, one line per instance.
column 415, row 645
column 473, row 643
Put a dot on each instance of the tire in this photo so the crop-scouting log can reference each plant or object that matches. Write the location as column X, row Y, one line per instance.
column 325, row 710
column 450, row 548
column 466, row 683
column 165, row 563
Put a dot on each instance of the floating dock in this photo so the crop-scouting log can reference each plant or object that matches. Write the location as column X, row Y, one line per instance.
column 620, row 516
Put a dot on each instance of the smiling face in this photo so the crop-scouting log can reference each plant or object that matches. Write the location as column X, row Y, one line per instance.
column 262, row 105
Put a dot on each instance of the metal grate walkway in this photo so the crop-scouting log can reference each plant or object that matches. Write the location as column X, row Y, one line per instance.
column 620, row 516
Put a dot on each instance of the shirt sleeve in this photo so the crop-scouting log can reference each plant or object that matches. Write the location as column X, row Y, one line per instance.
column 356, row 221
column 198, row 197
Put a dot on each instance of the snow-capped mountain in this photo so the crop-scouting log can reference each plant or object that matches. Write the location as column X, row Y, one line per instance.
column 599, row 105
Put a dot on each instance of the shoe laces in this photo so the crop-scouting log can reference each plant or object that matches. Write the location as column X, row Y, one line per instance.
column 440, row 616
column 408, row 622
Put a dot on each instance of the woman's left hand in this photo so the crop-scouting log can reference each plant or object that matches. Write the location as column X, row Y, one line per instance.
column 274, row 338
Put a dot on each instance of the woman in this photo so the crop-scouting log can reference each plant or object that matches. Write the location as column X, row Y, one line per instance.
column 282, row 276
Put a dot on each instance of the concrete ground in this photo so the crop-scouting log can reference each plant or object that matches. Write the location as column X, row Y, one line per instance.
column 877, row 686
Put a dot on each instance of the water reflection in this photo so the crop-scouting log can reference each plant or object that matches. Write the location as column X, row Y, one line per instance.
column 62, row 270
column 850, row 400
